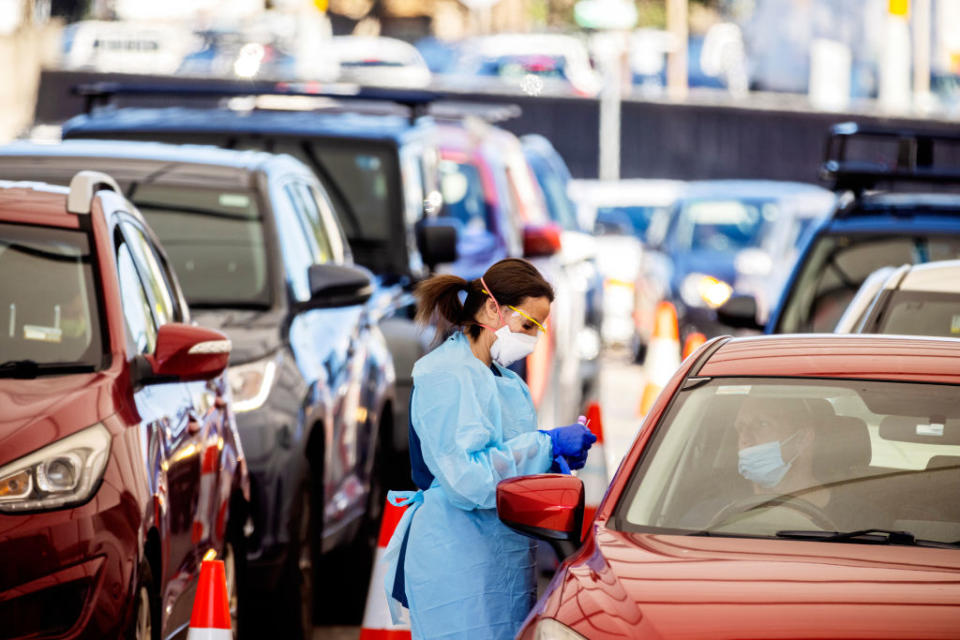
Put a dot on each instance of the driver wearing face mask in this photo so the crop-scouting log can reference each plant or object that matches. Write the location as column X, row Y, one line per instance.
column 775, row 449
column 451, row 562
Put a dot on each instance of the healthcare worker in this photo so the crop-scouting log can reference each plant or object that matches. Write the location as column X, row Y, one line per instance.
column 460, row 571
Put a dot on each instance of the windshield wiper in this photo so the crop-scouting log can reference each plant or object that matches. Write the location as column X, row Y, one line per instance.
column 25, row 369
column 876, row 536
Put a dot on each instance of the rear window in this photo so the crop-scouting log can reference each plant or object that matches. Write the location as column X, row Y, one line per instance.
column 838, row 264
column 49, row 301
column 722, row 226
column 215, row 241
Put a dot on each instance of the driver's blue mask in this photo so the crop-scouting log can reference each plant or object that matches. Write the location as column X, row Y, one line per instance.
column 763, row 463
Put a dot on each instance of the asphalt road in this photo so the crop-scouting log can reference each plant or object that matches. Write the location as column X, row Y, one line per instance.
column 621, row 385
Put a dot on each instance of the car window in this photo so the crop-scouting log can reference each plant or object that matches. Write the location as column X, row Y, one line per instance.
column 319, row 205
column 141, row 330
column 296, row 248
column 755, row 456
column 463, row 195
column 158, row 287
column 722, row 226
column 918, row 313
column 837, row 265
column 559, row 205
column 309, row 217
column 49, row 309
column 214, row 239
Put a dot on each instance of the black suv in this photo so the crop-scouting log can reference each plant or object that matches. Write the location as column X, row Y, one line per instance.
column 380, row 171
column 260, row 254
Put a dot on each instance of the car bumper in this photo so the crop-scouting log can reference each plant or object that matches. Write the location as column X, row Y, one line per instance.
column 71, row 573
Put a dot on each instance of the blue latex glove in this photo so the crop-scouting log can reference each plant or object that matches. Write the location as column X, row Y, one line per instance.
column 571, row 440
column 560, row 466
column 577, row 462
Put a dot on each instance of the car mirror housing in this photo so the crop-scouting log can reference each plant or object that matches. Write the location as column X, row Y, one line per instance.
column 740, row 312
column 547, row 507
column 184, row 353
column 338, row 285
column 437, row 240
column 541, row 240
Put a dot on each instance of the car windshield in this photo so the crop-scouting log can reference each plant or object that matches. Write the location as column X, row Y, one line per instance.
column 634, row 220
column 767, row 457
column 463, row 195
column 722, row 226
column 215, row 241
column 49, row 314
column 837, row 265
column 559, row 205
column 919, row 313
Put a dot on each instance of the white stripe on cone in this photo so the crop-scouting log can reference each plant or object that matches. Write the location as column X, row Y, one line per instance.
column 376, row 615
column 209, row 634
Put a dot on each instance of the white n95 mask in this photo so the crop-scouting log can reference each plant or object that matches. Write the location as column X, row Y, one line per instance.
column 511, row 346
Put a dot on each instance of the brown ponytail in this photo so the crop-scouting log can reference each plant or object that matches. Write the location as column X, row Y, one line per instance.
column 511, row 281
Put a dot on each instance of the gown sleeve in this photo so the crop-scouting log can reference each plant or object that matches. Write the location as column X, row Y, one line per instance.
column 460, row 443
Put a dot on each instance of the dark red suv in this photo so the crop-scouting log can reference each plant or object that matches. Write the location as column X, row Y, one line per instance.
column 120, row 466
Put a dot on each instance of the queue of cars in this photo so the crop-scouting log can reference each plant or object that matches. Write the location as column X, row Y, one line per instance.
column 789, row 486
column 299, row 240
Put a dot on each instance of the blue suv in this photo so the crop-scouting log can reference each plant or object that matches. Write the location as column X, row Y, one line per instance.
column 869, row 229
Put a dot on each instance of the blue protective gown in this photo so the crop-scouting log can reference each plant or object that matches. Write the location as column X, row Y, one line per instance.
column 466, row 575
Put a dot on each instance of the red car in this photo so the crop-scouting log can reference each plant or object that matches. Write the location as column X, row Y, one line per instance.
column 781, row 487
column 120, row 466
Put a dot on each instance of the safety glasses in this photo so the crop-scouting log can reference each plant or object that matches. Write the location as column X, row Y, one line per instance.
column 527, row 316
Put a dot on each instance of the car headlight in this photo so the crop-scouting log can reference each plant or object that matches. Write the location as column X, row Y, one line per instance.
column 701, row 290
column 550, row 629
column 59, row 475
column 250, row 383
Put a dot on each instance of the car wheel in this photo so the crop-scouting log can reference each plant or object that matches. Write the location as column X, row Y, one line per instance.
column 145, row 622
column 343, row 602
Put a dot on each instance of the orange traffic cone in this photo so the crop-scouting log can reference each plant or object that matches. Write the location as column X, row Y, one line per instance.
column 211, row 609
column 377, row 624
column 663, row 355
column 594, row 473
column 692, row 343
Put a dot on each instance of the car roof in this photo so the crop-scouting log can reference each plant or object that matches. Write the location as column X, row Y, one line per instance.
column 943, row 276
column 158, row 162
column 639, row 192
column 45, row 202
column 766, row 189
column 294, row 123
column 874, row 357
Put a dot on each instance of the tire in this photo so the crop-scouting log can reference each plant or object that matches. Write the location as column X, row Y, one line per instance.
column 235, row 565
column 145, row 621
column 341, row 600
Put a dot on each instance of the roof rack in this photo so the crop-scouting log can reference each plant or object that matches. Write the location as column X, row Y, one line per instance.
column 914, row 160
column 84, row 185
column 418, row 102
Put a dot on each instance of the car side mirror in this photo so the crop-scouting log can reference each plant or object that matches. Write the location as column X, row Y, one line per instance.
column 184, row 353
column 437, row 240
column 541, row 240
column 338, row 285
column 740, row 312
column 547, row 507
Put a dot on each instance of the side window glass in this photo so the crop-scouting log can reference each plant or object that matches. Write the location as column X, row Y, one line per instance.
column 309, row 217
column 141, row 330
column 327, row 221
column 159, row 288
column 294, row 247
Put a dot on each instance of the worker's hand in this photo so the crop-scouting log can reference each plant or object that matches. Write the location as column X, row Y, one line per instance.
column 560, row 466
column 571, row 440
column 577, row 462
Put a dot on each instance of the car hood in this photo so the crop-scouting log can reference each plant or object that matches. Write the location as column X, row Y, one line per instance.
column 668, row 586
column 39, row 411
column 253, row 334
column 712, row 263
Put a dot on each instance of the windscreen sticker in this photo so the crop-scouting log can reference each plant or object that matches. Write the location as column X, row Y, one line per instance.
column 234, row 200
column 43, row 334
column 933, row 429
column 733, row 390
column 955, row 325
